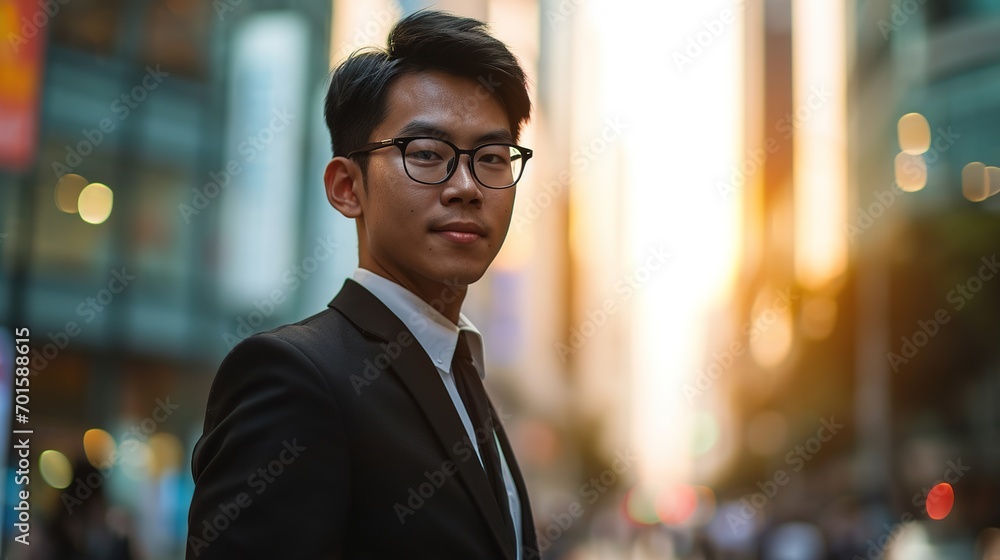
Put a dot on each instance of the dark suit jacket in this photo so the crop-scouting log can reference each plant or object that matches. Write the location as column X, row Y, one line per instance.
column 335, row 438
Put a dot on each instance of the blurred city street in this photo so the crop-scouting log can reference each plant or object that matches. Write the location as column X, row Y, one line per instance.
column 748, row 306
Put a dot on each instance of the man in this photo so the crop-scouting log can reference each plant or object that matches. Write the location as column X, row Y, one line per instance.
column 363, row 431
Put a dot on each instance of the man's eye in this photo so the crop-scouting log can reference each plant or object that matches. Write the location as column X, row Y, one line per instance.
column 493, row 159
column 425, row 155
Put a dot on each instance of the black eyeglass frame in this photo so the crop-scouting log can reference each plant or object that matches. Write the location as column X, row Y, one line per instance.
column 403, row 141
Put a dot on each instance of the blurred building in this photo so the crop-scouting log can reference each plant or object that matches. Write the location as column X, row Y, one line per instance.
column 896, row 346
column 203, row 123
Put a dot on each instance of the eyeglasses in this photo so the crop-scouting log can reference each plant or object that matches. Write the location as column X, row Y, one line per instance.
column 433, row 161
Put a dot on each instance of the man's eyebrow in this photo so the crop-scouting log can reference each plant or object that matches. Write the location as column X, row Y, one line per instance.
column 424, row 128
column 498, row 135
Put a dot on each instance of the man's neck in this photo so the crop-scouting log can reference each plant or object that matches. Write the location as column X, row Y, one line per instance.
column 445, row 297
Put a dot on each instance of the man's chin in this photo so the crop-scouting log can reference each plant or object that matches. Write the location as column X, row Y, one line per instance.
column 460, row 278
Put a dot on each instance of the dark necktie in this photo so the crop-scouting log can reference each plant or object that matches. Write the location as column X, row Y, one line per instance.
column 470, row 388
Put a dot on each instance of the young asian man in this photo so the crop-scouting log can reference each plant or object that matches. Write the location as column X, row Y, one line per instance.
column 364, row 430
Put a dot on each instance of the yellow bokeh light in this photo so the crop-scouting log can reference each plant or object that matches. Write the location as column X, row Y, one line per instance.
column 95, row 203
column 55, row 468
column 68, row 191
column 911, row 172
column 975, row 185
column 914, row 134
column 99, row 447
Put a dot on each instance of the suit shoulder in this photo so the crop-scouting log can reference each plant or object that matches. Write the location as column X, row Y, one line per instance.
column 328, row 341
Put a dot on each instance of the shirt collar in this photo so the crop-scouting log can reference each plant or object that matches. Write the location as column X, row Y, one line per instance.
column 436, row 333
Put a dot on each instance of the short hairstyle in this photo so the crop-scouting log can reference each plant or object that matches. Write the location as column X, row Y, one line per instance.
column 425, row 40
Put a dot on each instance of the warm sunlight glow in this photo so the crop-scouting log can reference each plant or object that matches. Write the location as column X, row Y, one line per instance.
column 820, row 167
column 359, row 24
column 670, row 161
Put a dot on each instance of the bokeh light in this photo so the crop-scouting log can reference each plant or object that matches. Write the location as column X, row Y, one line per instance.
column 974, row 184
column 676, row 504
column 771, row 335
column 68, row 191
column 99, row 447
column 911, row 172
column 55, row 468
column 911, row 543
column 95, row 203
column 940, row 500
column 914, row 133
column 992, row 180
column 640, row 506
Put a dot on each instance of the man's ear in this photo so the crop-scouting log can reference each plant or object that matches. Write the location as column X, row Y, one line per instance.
column 343, row 182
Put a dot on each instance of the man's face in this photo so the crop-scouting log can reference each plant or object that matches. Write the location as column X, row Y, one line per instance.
column 404, row 224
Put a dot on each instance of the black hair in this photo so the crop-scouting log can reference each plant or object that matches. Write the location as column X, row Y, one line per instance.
column 425, row 40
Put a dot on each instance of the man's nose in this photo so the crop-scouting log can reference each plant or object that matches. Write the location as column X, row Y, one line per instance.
column 463, row 180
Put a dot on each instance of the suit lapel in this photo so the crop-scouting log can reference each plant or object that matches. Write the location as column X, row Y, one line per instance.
column 528, row 538
column 419, row 375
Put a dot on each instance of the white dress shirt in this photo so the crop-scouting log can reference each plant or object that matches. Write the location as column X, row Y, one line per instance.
column 438, row 336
